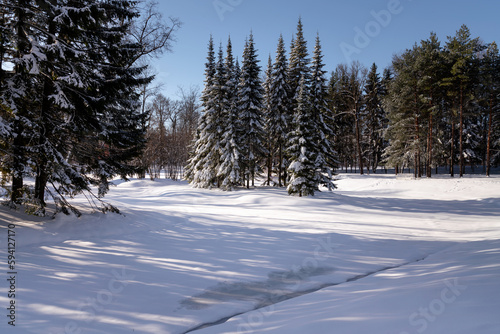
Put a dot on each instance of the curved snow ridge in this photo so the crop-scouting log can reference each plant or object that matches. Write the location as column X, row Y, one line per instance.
column 270, row 292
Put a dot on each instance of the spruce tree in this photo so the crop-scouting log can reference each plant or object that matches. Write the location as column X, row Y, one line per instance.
column 81, row 118
column 18, row 94
column 204, row 162
column 268, row 125
column 301, row 149
column 298, row 65
column 229, row 171
column 279, row 117
column 250, row 104
column 320, row 118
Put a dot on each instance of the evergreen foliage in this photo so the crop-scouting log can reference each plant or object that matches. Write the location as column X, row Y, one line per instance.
column 205, row 161
column 375, row 119
column 229, row 171
column 251, row 105
column 279, row 118
column 324, row 155
column 71, row 99
column 301, row 148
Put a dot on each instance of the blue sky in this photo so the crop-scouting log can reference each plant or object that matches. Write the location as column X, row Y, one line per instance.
column 365, row 30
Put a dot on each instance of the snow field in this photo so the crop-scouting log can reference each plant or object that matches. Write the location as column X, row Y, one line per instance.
column 378, row 255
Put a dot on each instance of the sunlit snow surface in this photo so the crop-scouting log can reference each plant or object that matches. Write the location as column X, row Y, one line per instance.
column 378, row 255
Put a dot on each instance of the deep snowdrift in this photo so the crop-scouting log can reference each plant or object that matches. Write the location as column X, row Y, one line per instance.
column 381, row 254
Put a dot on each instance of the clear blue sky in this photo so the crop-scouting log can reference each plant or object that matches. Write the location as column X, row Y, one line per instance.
column 338, row 23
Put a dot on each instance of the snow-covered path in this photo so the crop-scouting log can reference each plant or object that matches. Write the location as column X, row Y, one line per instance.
column 183, row 257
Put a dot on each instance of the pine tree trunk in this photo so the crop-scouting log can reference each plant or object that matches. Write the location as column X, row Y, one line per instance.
column 452, row 153
column 429, row 148
column 416, row 171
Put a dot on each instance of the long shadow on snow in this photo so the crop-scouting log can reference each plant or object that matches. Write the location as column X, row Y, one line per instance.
column 152, row 280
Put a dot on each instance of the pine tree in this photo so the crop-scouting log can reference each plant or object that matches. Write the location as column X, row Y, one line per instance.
column 490, row 92
column 301, row 149
column 460, row 51
column 430, row 65
column 279, row 117
column 250, row 104
column 404, row 113
column 320, row 118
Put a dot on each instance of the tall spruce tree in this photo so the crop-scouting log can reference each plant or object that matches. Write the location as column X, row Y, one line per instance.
column 325, row 159
column 298, row 65
column 229, row 171
column 267, row 125
column 279, row 117
column 202, row 166
column 250, row 104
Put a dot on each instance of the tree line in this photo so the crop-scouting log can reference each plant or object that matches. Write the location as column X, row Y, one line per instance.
column 435, row 106
column 71, row 74
column 443, row 104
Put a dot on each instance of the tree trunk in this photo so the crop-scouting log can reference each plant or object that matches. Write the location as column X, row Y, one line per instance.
column 417, row 172
column 280, row 166
column 429, row 144
column 17, row 172
column 452, row 153
column 461, row 132
column 358, row 145
column 42, row 175
column 18, row 142
column 488, row 145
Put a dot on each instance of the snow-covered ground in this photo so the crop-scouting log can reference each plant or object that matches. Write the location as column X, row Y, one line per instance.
column 379, row 255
